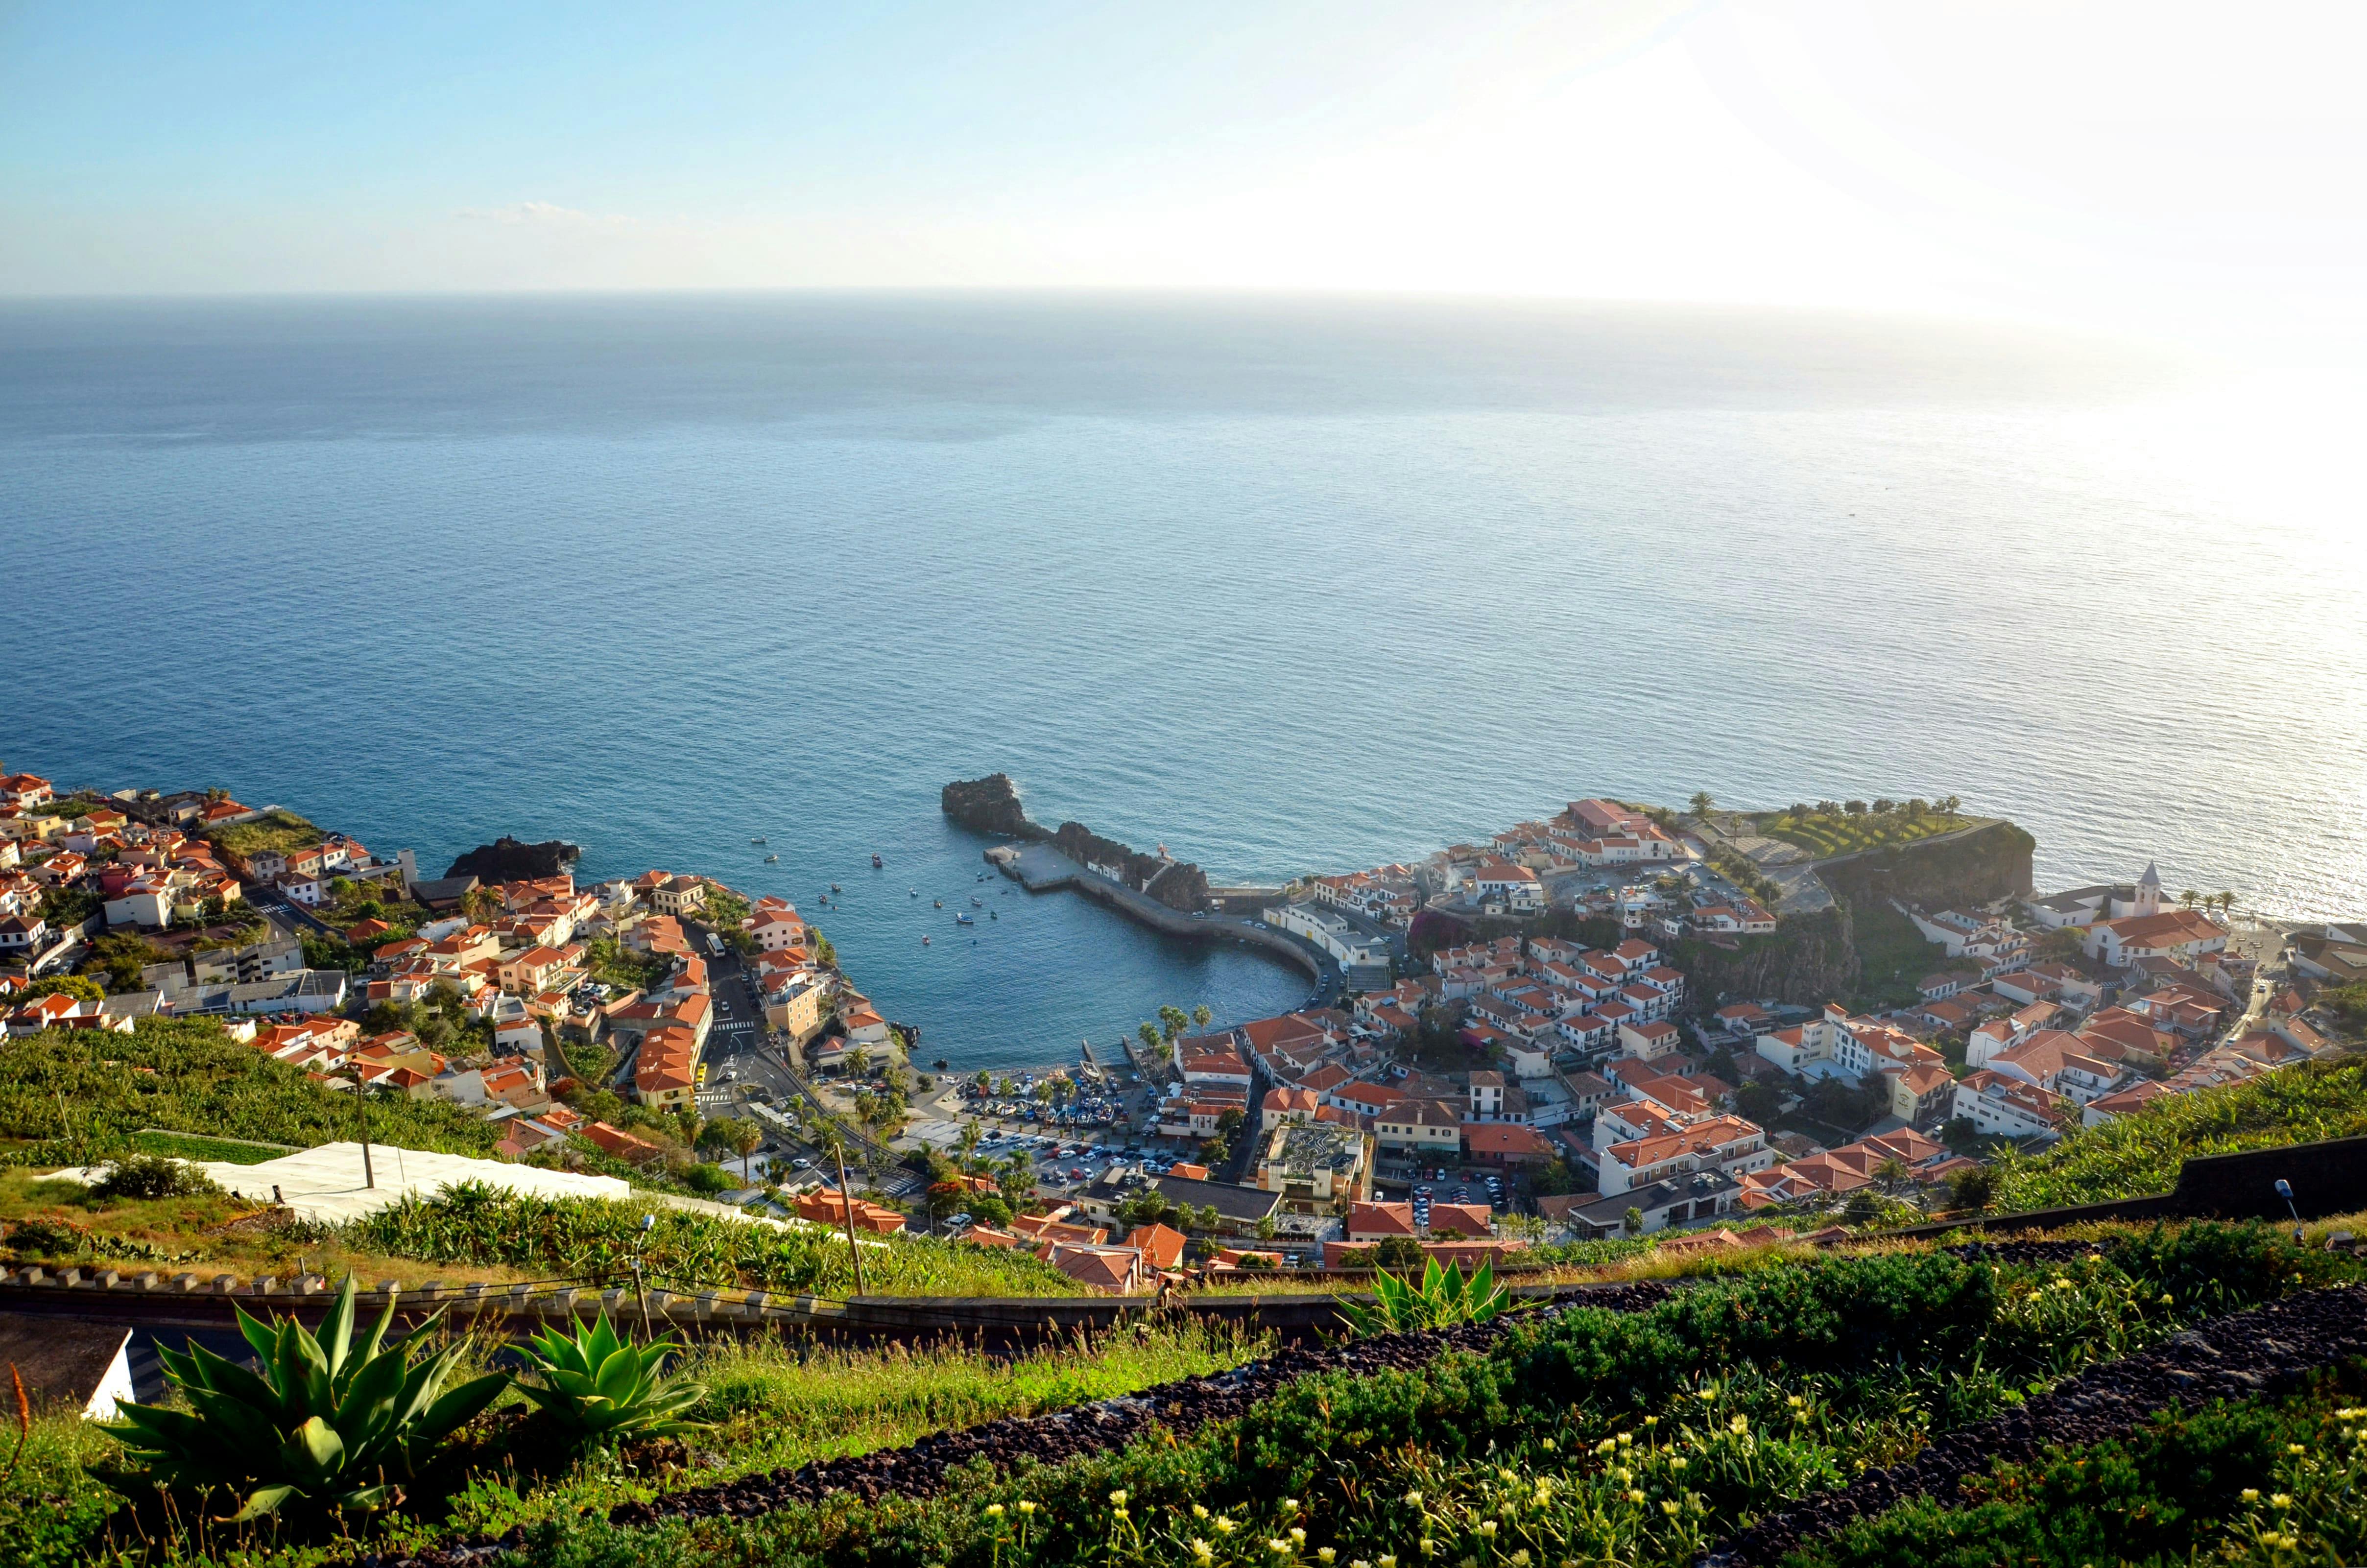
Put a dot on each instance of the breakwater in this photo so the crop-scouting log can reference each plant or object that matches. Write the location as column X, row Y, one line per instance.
column 1040, row 868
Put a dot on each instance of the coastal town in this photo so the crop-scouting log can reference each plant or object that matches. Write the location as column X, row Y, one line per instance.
column 1511, row 1045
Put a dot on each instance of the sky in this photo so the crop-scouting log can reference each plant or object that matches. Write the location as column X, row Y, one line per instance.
column 2186, row 171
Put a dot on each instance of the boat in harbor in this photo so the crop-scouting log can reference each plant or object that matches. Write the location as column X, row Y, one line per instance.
column 833, row 887
column 875, row 862
column 992, row 916
column 758, row 839
column 964, row 920
column 771, row 859
column 940, row 902
column 924, row 941
column 978, row 901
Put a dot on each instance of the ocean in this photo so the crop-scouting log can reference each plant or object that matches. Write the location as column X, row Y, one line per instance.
column 1285, row 584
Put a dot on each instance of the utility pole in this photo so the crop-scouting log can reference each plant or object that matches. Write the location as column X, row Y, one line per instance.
column 361, row 1114
column 846, row 1209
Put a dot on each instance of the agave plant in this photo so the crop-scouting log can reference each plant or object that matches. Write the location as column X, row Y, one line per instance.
column 597, row 1386
column 327, row 1421
column 1445, row 1298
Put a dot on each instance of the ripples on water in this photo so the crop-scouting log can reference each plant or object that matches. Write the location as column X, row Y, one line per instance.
column 1287, row 586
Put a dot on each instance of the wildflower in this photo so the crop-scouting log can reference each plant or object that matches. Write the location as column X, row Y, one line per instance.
column 1626, row 1439
column 1120, row 1515
column 1488, row 1528
column 1290, row 1504
column 1651, row 1420
column 1677, row 1463
column 2169, row 1300
column 1623, row 1475
column 1606, row 1446
column 2251, row 1494
column 1797, row 1403
column 1117, row 1499
column 1298, row 1535
column 1635, row 1496
column 2295, row 1448
column 1279, row 1547
column 1026, row 1507
column 1202, row 1552
column 1506, row 1476
column 1668, row 1507
column 1413, row 1499
column 1328, row 1554
column 2063, row 1283
column 1388, row 1561
column 994, row 1510
column 2282, row 1500
column 1428, row 1547
column 1199, row 1510
column 1706, row 1395
column 1224, row 1525
column 1740, row 1425
column 1520, row 1559
column 1547, row 1444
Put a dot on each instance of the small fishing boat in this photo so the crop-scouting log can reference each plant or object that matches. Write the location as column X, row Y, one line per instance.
column 992, row 916
column 912, row 892
column 979, row 902
column 875, row 862
column 770, row 860
column 758, row 839
column 833, row 887
column 964, row 920
column 924, row 941
column 940, row 902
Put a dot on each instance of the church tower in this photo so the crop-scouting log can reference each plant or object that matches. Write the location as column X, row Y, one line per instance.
column 2149, row 891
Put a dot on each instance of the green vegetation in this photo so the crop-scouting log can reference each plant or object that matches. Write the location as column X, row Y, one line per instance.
column 767, row 1404
column 1591, row 1437
column 277, row 829
column 2348, row 1003
column 119, row 956
column 212, row 1151
column 1442, row 1298
column 724, row 911
column 2250, row 1483
column 141, row 1176
column 1892, row 957
column 78, row 1097
column 328, row 1423
column 1827, row 830
column 2134, row 1155
column 611, row 963
column 594, row 1238
column 597, row 1388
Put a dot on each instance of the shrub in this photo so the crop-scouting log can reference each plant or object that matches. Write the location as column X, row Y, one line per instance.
column 595, row 1386
column 1443, row 1298
column 154, row 1176
column 326, row 1422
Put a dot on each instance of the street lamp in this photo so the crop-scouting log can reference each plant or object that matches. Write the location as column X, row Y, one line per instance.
column 641, row 1234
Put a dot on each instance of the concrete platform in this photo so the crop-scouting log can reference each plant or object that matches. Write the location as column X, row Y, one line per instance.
column 325, row 1184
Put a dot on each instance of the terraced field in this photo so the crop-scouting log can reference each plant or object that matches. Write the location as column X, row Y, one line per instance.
column 2016, row 1399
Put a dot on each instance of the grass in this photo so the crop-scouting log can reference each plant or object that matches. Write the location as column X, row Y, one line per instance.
column 2140, row 1153
column 772, row 1404
column 277, row 829
column 1825, row 834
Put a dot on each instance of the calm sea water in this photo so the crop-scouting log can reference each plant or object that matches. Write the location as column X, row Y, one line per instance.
column 1288, row 585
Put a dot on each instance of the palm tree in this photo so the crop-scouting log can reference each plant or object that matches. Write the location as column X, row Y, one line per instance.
column 2190, row 897
column 2226, row 902
column 1200, row 1015
column 746, row 1138
column 1701, row 802
column 1892, row 1173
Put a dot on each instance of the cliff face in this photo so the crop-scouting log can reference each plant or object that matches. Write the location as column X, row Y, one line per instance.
column 507, row 860
column 1810, row 960
column 991, row 805
column 1992, row 863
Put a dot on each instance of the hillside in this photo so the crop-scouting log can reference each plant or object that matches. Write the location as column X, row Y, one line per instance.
column 2139, row 1154
column 2014, row 1404
column 72, row 1097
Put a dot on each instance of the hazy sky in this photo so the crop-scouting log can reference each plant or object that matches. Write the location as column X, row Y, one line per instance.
column 2189, row 169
